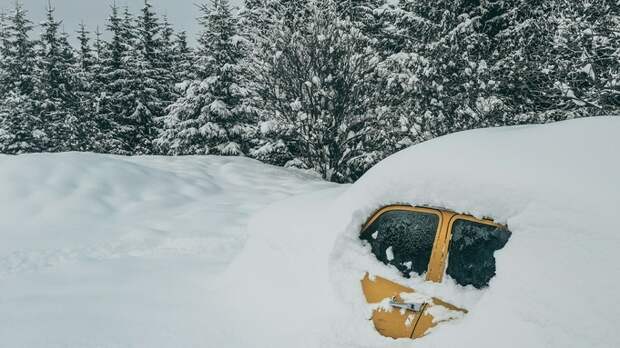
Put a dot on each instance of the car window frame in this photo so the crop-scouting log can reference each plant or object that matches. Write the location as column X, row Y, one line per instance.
column 438, row 261
column 433, row 271
column 445, row 245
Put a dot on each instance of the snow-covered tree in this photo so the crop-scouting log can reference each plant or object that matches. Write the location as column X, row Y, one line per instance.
column 55, row 87
column 560, row 58
column 256, row 19
column 182, row 59
column 467, row 64
column 168, row 66
column 212, row 116
column 21, row 129
column 92, row 127
column 20, row 60
column 129, row 122
column 314, row 83
column 4, row 54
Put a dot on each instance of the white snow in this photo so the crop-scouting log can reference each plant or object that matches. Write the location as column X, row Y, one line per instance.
column 389, row 253
column 103, row 251
column 556, row 186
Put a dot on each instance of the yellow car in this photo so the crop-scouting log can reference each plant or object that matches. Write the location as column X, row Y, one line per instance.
column 432, row 243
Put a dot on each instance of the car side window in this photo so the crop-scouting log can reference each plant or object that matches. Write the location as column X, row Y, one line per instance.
column 403, row 239
column 471, row 259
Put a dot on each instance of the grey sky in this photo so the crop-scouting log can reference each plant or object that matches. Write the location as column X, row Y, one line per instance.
column 181, row 13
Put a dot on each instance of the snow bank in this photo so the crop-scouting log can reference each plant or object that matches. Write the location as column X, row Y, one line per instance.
column 556, row 186
column 105, row 251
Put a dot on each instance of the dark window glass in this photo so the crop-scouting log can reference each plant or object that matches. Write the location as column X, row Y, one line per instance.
column 471, row 260
column 403, row 239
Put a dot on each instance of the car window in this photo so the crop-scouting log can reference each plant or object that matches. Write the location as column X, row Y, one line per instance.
column 403, row 239
column 471, row 259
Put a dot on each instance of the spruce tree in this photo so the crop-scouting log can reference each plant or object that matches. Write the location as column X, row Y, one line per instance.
column 55, row 86
column 4, row 54
column 20, row 61
column 21, row 129
column 256, row 19
column 119, row 97
column 88, row 84
column 151, row 88
column 166, row 65
column 182, row 58
column 567, row 67
column 212, row 116
column 85, row 56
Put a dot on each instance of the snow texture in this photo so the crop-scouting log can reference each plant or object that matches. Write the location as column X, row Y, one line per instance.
column 106, row 251
column 554, row 185
column 103, row 251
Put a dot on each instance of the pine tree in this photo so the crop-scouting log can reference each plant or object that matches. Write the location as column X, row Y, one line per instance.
column 90, row 129
column 55, row 87
column 152, row 89
column 566, row 69
column 98, row 46
column 437, row 79
column 182, row 58
column 363, row 14
column 119, row 100
column 467, row 64
column 20, row 61
column 256, row 19
column 21, row 129
column 85, row 57
column 212, row 116
column 4, row 54
column 166, row 65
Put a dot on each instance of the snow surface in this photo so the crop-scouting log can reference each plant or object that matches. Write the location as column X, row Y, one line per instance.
column 103, row 251
column 557, row 188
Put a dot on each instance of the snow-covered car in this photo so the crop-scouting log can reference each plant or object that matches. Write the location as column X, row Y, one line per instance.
column 518, row 224
column 428, row 242
column 493, row 237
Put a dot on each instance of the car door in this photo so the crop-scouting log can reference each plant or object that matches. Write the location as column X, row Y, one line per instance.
column 422, row 242
column 468, row 257
column 404, row 237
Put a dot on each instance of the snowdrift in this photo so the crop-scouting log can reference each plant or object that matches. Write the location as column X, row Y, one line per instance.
column 215, row 252
column 555, row 186
column 106, row 251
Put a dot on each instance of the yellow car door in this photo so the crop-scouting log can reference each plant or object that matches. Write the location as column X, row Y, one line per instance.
column 417, row 242
column 467, row 256
column 404, row 237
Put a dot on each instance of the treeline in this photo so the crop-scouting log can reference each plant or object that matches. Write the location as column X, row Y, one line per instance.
column 332, row 86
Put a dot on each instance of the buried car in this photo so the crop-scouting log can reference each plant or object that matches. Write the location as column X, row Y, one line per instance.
column 493, row 237
column 428, row 242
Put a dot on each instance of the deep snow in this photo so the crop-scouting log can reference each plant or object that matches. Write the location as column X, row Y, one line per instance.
column 557, row 188
column 105, row 251
column 102, row 251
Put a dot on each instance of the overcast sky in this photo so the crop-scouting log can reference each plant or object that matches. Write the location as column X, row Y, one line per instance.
column 181, row 13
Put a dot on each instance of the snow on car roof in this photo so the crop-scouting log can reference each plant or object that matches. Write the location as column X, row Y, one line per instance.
column 557, row 187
